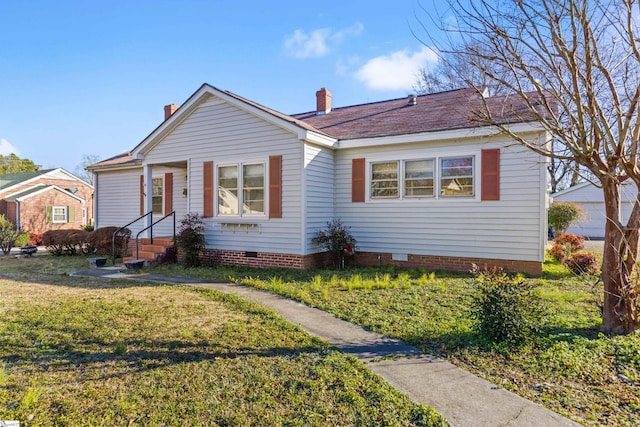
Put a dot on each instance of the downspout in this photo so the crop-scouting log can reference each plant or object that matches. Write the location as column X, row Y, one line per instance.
column 95, row 201
column 18, row 215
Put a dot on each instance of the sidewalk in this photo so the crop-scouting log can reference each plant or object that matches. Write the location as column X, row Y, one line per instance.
column 462, row 398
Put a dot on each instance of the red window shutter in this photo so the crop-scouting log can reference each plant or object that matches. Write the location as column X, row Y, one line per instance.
column 357, row 180
column 142, row 195
column 168, row 193
column 490, row 174
column 275, row 186
column 207, row 185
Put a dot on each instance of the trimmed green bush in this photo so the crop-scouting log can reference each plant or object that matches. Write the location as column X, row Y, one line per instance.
column 506, row 309
column 562, row 215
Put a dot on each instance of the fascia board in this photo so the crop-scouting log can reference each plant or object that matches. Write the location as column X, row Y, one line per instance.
column 319, row 139
column 452, row 134
column 115, row 167
column 44, row 189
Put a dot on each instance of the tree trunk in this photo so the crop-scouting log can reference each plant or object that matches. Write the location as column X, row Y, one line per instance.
column 619, row 312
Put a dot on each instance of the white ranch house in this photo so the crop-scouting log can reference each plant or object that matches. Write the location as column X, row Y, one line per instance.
column 417, row 180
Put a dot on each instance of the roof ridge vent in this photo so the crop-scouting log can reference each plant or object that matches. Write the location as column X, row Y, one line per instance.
column 412, row 99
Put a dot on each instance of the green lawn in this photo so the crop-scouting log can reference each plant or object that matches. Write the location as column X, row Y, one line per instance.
column 571, row 368
column 77, row 351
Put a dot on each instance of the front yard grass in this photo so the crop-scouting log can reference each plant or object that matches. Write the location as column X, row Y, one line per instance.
column 80, row 351
column 571, row 368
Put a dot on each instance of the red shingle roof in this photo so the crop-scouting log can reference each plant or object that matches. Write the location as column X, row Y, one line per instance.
column 117, row 160
column 454, row 109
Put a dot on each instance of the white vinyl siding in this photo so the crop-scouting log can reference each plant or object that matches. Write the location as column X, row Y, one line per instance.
column 226, row 135
column 511, row 228
column 118, row 198
column 118, row 207
column 319, row 187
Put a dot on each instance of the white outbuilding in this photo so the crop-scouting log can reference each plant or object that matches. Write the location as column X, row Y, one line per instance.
column 590, row 198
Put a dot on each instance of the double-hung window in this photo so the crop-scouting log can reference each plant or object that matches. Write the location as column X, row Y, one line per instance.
column 59, row 214
column 456, row 177
column 157, row 196
column 241, row 189
column 418, row 178
column 384, row 180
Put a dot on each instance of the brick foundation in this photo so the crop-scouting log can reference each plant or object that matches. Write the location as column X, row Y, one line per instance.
column 428, row 262
column 261, row 259
column 460, row 264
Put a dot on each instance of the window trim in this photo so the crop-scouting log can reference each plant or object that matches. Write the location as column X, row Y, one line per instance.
column 53, row 214
column 240, row 190
column 436, row 158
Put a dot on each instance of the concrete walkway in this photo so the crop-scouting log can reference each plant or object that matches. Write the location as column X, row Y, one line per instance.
column 462, row 398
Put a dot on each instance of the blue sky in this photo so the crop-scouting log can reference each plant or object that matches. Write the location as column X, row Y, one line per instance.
column 91, row 78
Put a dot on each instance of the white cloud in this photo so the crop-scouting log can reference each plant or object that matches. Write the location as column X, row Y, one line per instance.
column 6, row 148
column 398, row 70
column 317, row 43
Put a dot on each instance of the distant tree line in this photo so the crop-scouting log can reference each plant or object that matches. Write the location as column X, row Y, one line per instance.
column 13, row 164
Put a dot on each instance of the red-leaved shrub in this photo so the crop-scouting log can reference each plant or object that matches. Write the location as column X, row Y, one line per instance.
column 35, row 239
column 583, row 262
column 557, row 252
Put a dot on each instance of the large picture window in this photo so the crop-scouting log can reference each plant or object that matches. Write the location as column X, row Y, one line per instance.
column 241, row 194
column 156, row 196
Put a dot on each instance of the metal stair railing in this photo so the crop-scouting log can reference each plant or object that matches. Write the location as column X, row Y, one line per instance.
column 113, row 238
column 172, row 214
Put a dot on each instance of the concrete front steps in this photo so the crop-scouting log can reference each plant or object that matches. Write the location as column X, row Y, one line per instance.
column 148, row 252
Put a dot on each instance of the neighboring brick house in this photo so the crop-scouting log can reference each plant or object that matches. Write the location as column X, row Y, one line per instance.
column 45, row 200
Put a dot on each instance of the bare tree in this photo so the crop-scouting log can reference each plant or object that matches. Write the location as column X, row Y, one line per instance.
column 81, row 171
column 456, row 69
column 576, row 65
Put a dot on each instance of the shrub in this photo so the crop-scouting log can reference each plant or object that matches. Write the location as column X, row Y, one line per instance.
column 561, row 215
column 506, row 309
column 22, row 240
column 565, row 245
column 8, row 235
column 35, row 239
column 65, row 242
column 337, row 240
column 557, row 252
column 583, row 262
column 100, row 241
column 190, row 239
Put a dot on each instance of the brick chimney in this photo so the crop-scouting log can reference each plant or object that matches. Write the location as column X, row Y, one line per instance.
column 169, row 110
column 323, row 101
